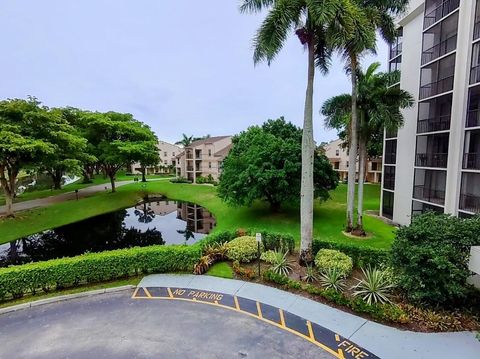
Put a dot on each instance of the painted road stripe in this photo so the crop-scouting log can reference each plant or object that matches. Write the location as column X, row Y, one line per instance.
column 333, row 343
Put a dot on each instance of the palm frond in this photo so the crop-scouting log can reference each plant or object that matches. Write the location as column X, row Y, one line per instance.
column 253, row 6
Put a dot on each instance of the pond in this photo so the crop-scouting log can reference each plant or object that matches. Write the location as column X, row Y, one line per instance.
column 154, row 221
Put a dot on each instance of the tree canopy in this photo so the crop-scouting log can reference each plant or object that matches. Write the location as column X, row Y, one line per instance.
column 265, row 163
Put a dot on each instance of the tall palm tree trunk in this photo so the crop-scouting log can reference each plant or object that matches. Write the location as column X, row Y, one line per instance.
column 308, row 148
column 361, row 179
column 352, row 159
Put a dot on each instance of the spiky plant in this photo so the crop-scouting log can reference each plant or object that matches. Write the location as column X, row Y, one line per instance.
column 375, row 287
column 310, row 274
column 332, row 278
column 203, row 264
column 280, row 263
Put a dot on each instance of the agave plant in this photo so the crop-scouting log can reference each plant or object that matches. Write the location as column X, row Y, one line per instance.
column 280, row 263
column 310, row 274
column 332, row 278
column 375, row 287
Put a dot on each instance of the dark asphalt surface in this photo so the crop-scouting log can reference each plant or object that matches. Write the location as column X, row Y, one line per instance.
column 116, row 326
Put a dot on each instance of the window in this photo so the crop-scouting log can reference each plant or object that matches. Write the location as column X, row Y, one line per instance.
column 473, row 113
column 420, row 207
column 374, row 166
column 429, row 185
column 209, row 153
column 387, row 204
column 209, row 164
column 390, row 151
column 347, row 163
column 434, row 114
column 336, row 165
column 389, row 177
column 165, row 154
column 440, row 39
column 337, row 153
column 437, row 77
column 173, row 154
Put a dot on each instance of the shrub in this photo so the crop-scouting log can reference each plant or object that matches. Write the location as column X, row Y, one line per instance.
column 375, row 287
column 203, row 264
column 243, row 272
column 332, row 278
column 280, row 263
column 431, row 257
column 361, row 256
column 180, row 180
column 278, row 241
column 268, row 256
column 243, row 249
column 95, row 267
column 217, row 237
column 310, row 274
column 330, row 259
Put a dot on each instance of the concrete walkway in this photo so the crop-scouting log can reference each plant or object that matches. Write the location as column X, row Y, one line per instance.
column 383, row 341
column 67, row 196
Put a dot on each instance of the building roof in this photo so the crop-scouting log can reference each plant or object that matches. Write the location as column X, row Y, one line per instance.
column 224, row 151
column 207, row 140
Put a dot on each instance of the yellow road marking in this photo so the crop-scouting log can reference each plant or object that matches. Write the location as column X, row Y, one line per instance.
column 235, row 299
column 282, row 325
column 337, row 337
column 135, row 292
column 147, row 293
column 259, row 310
column 282, row 318
column 170, row 293
column 310, row 330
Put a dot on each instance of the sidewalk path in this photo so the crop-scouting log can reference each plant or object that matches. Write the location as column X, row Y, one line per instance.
column 67, row 196
column 383, row 341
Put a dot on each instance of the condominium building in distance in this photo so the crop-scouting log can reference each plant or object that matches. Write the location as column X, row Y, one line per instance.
column 203, row 158
column 433, row 161
column 167, row 153
column 337, row 154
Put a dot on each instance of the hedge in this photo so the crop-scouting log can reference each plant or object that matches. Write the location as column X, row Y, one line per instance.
column 16, row 281
column 361, row 256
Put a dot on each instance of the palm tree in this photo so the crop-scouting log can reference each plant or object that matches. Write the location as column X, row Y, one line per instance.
column 379, row 107
column 380, row 14
column 185, row 141
column 321, row 26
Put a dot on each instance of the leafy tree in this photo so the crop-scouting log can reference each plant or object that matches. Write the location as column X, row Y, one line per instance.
column 117, row 140
column 431, row 257
column 320, row 25
column 379, row 15
column 29, row 135
column 265, row 163
column 379, row 107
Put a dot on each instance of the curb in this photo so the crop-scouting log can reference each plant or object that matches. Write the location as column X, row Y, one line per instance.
column 62, row 298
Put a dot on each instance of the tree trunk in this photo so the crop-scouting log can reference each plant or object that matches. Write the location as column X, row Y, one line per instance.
column 112, row 182
column 144, row 179
column 9, row 204
column 8, row 179
column 359, row 231
column 352, row 159
column 57, row 179
column 308, row 148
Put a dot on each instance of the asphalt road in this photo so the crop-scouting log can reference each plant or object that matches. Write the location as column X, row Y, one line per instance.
column 116, row 326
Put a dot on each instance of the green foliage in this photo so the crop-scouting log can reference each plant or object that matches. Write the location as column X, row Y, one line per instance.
column 277, row 241
column 209, row 179
column 180, row 180
column 250, row 172
column 361, row 256
column 268, row 256
column 310, row 274
column 375, row 287
column 243, row 249
column 332, row 278
column 280, row 263
column 15, row 281
column 327, row 259
column 431, row 258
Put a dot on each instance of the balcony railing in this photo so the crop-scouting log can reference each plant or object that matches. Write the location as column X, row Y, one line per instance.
column 440, row 49
column 390, row 158
column 429, row 194
column 471, row 161
column 476, row 30
column 473, row 118
column 389, row 182
column 396, row 50
column 436, row 87
column 442, row 10
column 431, row 160
column 189, row 156
column 470, row 203
column 475, row 74
column 440, row 123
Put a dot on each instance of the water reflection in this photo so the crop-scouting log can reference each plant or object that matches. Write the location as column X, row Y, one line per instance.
column 158, row 221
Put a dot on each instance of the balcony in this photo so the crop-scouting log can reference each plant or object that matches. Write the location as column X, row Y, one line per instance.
column 476, row 30
column 471, row 161
column 440, row 49
column 429, row 194
column 395, row 50
column 475, row 74
column 470, row 203
column 431, row 160
column 442, row 10
column 437, row 87
column 441, row 123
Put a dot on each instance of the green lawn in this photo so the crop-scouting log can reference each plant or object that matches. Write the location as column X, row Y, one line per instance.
column 98, row 179
column 222, row 270
column 328, row 223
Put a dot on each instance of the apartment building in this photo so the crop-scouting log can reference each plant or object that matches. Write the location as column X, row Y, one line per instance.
column 433, row 161
column 167, row 153
column 338, row 157
column 203, row 158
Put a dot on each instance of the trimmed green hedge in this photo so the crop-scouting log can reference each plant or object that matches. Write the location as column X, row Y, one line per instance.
column 361, row 256
column 16, row 281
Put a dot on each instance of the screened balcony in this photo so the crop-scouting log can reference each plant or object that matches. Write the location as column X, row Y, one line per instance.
column 429, row 186
column 471, row 157
column 440, row 39
column 437, row 77
column 432, row 151
column 420, row 207
column 470, row 193
column 438, row 9
column 390, row 151
column 473, row 111
column 389, row 177
column 434, row 115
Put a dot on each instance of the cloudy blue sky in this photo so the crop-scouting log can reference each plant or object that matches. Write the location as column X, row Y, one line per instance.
column 182, row 66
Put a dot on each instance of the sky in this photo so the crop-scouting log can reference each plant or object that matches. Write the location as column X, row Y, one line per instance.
column 181, row 66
